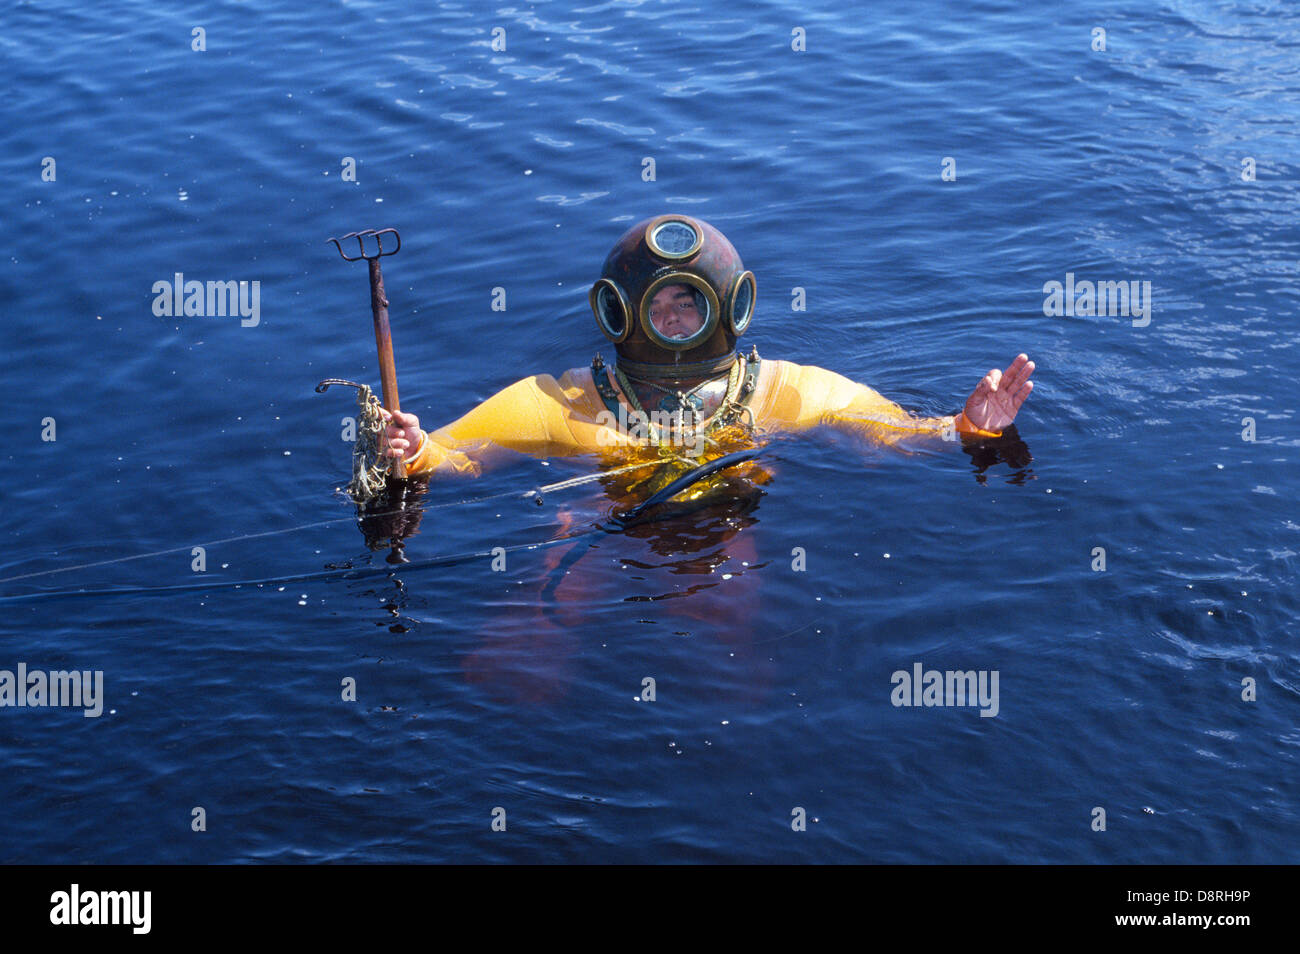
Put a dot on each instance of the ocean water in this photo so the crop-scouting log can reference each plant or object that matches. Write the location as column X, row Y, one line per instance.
column 921, row 171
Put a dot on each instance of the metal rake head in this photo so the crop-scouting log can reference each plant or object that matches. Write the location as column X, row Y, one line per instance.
column 361, row 244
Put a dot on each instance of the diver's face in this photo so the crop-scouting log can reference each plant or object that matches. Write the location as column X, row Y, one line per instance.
column 674, row 313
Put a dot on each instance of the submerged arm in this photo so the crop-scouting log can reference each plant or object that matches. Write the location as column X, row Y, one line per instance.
column 812, row 396
column 529, row 417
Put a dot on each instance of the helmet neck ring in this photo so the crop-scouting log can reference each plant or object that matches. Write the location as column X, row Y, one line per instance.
column 680, row 370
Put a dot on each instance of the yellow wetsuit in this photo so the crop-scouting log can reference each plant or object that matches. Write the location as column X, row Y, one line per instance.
column 544, row 417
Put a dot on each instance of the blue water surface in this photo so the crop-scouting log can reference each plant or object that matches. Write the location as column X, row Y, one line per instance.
column 1120, row 688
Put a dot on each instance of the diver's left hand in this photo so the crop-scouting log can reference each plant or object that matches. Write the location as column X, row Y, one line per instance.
column 998, row 396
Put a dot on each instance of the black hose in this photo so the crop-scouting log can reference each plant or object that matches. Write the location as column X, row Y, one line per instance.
column 686, row 480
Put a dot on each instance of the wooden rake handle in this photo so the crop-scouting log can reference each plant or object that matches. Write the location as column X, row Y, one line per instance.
column 379, row 307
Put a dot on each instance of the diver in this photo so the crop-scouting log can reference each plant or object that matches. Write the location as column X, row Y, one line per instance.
column 673, row 297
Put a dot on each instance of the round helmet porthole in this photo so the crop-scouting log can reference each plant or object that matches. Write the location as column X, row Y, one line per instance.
column 611, row 310
column 742, row 303
column 679, row 311
column 673, row 239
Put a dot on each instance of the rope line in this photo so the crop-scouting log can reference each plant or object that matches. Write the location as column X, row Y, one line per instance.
column 524, row 494
column 354, row 573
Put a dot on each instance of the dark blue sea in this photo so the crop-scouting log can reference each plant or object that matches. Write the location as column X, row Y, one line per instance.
column 922, row 171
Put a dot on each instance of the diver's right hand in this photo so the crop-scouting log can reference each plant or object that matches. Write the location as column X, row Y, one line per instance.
column 402, row 433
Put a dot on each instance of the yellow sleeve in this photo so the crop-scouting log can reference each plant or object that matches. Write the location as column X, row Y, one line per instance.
column 811, row 396
column 530, row 416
